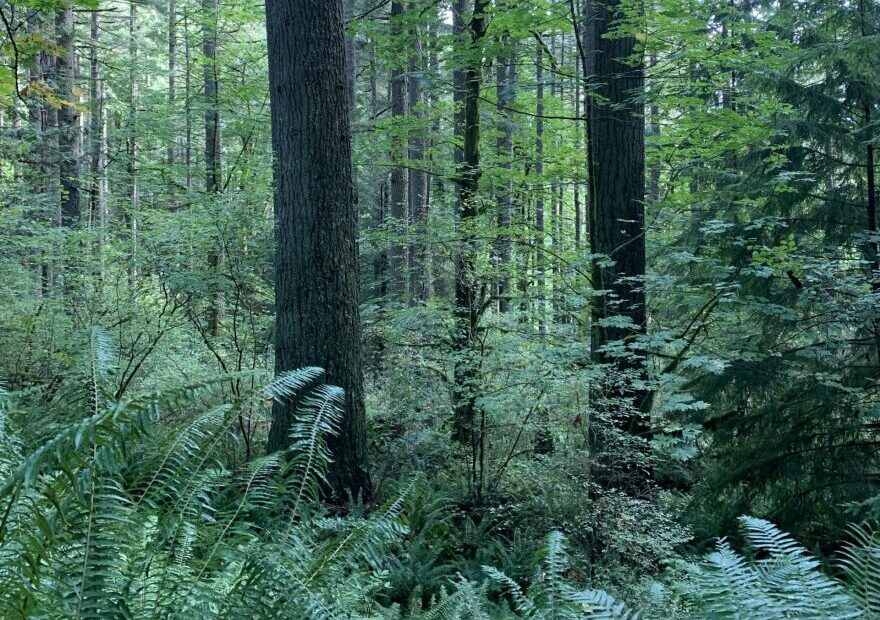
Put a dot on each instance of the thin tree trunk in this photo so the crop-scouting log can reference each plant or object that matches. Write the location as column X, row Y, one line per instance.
column 576, row 191
column 316, row 273
column 188, row 98
column 97, row 135
column 556, row 193
column 505, row 94
column 399, row 179
column 468, row 302
column 539, row 194
column 171, row 152
column 418, row 179
column 213, row 174
column 43, row 177
column 459, row 28
column 134, row 190
column 68, row 118
column 654, row 131
column 376, row 346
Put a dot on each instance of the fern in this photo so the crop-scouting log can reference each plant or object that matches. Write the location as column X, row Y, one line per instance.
column 118, row 516
column 784, row 582
column 861, row 563
column 553, row 597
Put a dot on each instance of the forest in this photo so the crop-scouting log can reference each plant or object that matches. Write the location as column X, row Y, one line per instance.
column 439, row 309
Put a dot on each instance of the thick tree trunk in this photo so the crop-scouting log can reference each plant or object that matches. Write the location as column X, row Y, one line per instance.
column 617, row 214
column 316, row 272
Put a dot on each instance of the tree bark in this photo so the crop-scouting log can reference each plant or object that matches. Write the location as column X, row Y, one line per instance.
column 68, row 119
column 187, row 100
column 97, row 135
column 316, row 272
column 468, row 302
column 213, row 162
column 576, row 191
column 171, row 154
column 397, row 255
column 418, row 179
column 539, row 194
column 617, row 215
column 505, row 94
column 131, row 213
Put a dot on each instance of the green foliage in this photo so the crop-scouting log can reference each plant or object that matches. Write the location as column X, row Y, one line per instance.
column 119, row 516
column 552, row 597
column 780, row 579
column 133, row 479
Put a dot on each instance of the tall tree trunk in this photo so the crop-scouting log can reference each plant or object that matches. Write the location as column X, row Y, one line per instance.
column 171, row 152
column 873, row 251
column 187, row 99
column 316, row 272
column 459, row 28
column 576, row 190
column 213, row 174
column 467, row 428
column 505, row 94
column 132, row 144
column 399, row 177
column 418, row 178
column 654, row 131
column 97, row 135
column 872, row 198
column 539, row 194
column 68, row 119
column 376, row 345
column 350, row 61
column 556, row 192
column 43, row 177
column 617, row 215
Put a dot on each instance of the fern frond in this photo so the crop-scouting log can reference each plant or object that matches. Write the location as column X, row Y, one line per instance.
column 318, row 417
column 861, row 563
column 359, row 541
column 465, row 603
column 599, row 605
column 521, row 602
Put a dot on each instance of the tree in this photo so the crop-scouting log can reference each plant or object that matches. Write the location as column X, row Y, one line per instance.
column 617, row 173
column 616, row 161
column 397, row 251
column 68, row 119
column 316, row 275
column 505, row 94
column 213, row 170
column 469, row 304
